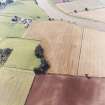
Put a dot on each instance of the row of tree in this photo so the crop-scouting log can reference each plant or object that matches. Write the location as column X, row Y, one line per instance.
column 44, row 66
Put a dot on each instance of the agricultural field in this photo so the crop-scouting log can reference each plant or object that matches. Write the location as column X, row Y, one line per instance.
column 70, row 58
column 59, row 1
column 73, row 55
column 14, row 86
column 71, row 7
column 9, row 29
column 22, row 8
column 22, row 56
column 66, row 43
column 51, row 1
column 16, row 73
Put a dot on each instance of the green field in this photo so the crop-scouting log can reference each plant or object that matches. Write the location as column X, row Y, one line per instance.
column 9, row 29
column 22, row 8
column 25, row 8
column 52, row 2
column 22, row 56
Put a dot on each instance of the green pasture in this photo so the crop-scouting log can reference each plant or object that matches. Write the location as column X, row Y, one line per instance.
column 52, row 2
column 22, row 56
column 25, row 8
column 9, row 29
column 22, row 8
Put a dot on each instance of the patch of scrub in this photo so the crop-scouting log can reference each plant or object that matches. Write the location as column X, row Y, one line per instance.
column 22, row 56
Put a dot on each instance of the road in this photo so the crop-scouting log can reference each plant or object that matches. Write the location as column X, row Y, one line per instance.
column 58, row 15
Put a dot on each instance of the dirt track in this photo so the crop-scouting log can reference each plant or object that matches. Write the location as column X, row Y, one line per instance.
column 61, row 42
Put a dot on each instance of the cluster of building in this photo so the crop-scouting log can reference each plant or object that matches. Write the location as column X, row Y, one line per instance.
column 21, row 20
